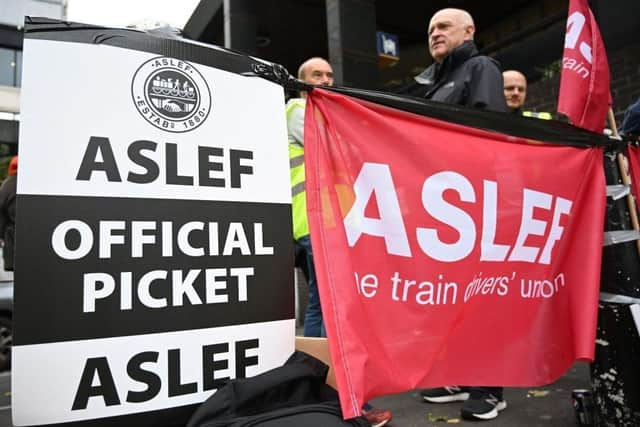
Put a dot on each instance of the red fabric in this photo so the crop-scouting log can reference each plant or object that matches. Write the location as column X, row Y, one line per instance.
column 584, row 84
column 13, row 166
column 384, row 343
column 634, row 169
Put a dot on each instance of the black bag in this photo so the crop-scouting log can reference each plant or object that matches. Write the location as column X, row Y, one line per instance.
column 292, row 395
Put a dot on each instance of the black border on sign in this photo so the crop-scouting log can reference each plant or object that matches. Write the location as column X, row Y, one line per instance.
column 170, row 417
column 159, row 43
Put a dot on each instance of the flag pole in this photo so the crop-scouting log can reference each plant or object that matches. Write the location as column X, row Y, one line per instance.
column 626, row 179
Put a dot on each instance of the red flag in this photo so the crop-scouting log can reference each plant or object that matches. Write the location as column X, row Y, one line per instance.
column 448, row 255
column 634, row 169
column 584, row 85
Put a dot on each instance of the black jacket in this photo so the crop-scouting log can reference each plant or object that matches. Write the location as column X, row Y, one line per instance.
column 464, row 78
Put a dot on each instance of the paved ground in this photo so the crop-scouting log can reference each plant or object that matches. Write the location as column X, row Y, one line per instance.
column 531, row 407
column 549, row 406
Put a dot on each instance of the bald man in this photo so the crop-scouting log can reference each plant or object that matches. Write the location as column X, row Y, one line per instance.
column 314, row 71
column 459, row 75
column 515, row 93
column 515, row 89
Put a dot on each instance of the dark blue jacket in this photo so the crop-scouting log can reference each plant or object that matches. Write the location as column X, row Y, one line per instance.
column 631, row 121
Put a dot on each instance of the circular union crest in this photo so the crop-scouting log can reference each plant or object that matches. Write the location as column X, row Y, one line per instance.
column 171, row 94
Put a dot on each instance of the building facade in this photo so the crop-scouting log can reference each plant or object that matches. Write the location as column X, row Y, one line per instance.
column 12, row 15
column 527, row 35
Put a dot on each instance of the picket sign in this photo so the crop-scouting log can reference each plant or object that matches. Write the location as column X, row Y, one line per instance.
column 154, row 231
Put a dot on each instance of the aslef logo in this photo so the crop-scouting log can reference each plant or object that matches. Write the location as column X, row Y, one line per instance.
column 171, row 94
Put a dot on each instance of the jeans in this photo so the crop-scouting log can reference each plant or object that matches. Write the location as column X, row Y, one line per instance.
column 313, row 324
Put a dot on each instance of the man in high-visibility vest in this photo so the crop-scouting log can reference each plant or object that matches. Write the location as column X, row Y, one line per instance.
column 315, row 71
column 515, row 92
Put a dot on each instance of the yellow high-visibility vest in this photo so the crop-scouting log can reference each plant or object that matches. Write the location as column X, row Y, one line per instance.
column 298, row 194
column 538, row 115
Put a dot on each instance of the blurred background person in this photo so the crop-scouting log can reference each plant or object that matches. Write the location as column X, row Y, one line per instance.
column 515, row 93
column 515, row 90
column 8, row 213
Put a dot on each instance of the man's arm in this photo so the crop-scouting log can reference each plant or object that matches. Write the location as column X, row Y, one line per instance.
column 295, row 122
column 486, row 87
